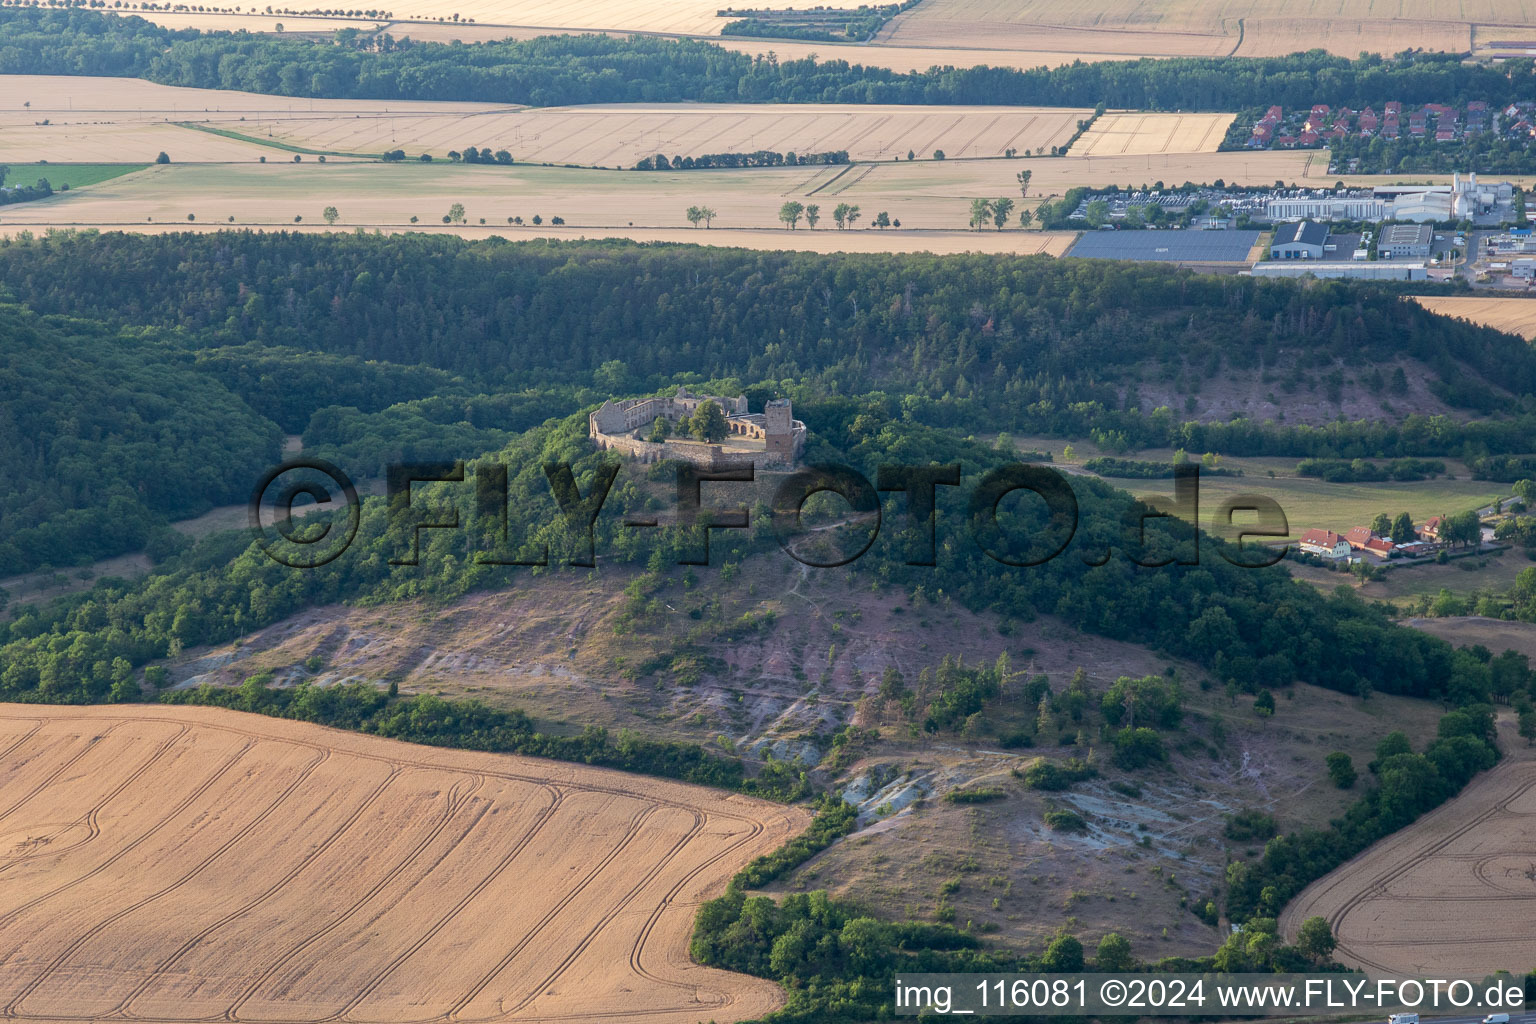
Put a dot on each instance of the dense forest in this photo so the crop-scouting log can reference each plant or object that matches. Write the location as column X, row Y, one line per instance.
column 104, row 434
column 382, row 350
column 1016, row 343
column 554, row 70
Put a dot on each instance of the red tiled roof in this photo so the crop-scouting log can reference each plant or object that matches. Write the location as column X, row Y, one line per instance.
column 1359, row 536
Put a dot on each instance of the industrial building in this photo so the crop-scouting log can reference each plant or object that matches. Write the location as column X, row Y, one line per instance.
column 1321, row 204
column 1405, row 241
column 1303, row 240
column 1463, row 199
column 1379, row 270
column 1167, row 246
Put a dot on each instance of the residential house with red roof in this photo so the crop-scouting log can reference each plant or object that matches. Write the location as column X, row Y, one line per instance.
column 1324, row 543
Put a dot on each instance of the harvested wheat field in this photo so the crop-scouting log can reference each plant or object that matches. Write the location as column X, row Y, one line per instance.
column 942, row 243
column 435, row 30
column 94, row 118
column 128, row 119
column 177, row 864
column 673, row 17
column 1132, row 134
column 1450, row 893
column 58, row 97
column 1199, row 28
column 1514, row 315
column 927, row 195
column 618, row 135
column 682, row 17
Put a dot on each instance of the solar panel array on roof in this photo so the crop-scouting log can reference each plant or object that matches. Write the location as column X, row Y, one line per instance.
column 1172, row 246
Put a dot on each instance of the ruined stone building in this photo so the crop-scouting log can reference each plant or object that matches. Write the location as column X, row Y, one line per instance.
column 771, row 439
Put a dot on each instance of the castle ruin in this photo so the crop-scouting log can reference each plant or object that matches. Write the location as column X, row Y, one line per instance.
column 771, row 439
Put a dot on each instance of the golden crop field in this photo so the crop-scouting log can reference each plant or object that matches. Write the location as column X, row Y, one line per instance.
column 1134, row 134
column 1515, row 315
column 675, row 17
column 880, row 55
column 617, row 135
column 1200, row 28
column 25, row 98
column 61, row 118
column 686, row 17
column 1439, row 895
column 925, row 196
column 179, row 864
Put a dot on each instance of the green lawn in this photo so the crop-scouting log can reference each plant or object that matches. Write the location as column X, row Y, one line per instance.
column 1308, row 502
column 73, row 175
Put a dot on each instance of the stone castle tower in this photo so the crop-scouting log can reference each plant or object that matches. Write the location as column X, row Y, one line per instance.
column 779, row 431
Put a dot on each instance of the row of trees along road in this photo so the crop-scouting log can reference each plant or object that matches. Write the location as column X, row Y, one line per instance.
column 843, row 215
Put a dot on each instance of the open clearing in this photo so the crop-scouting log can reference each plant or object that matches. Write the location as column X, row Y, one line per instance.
column 1448, row 892
column 1515, row 315
column 1198, row 28
column 608, row 135
column 1133, row 134
column 177, row 864
column 1494, row 634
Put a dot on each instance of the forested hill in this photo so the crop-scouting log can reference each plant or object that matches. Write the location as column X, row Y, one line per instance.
column 103, row 434
column 1019, row 343
column 555, row 70
column 381, row 349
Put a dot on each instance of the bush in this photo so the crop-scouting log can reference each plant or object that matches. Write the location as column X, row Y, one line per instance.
column 1138, row 747
column 1051, row 777
column 979, row 795
column 1341, row 769
column 1250, row 824
column 1065, row 821
column 834, row 819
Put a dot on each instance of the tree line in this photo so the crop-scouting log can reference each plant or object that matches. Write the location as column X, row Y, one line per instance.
column 757, row 158
column 555, row 70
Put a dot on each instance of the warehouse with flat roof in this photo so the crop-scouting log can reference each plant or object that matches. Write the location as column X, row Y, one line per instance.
column 1405, row 241
column 1188, row 246
column 1359, row 270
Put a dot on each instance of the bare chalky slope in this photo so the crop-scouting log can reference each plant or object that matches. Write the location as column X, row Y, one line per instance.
column 171, row 864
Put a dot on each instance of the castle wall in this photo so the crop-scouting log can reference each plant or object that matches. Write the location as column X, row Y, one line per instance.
column 613, row 427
